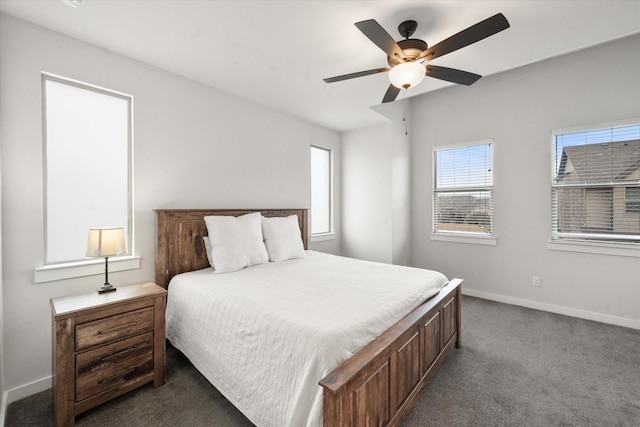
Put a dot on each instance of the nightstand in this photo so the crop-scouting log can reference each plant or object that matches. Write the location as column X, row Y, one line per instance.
column 105, row 345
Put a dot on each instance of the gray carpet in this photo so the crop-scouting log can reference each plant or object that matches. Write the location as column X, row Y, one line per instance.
column 516, row 367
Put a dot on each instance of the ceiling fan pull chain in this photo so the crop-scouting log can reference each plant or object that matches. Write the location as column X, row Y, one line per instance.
column 405, row 113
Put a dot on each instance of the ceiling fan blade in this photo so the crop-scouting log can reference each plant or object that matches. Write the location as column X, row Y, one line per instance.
column 391, row 94
column 354, row 75
column 452, row 75
column 380, row 37
column 475, row 33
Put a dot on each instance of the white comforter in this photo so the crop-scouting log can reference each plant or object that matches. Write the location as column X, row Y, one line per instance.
column 265, row 335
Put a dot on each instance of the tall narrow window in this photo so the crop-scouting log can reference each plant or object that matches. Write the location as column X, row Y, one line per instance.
column 595, row 186
column 88, row 157
column 321, row 206
column 463, row 189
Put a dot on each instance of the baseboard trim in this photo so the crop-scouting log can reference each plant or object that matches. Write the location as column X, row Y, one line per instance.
column 558, row 309
column 3, row 408
column 21, row 392
column 27, row 390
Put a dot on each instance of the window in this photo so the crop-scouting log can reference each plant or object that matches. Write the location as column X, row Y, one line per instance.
column 321, row 205
column 632, row 200
column 88, row 160
column 596, row 184
column 463, row 190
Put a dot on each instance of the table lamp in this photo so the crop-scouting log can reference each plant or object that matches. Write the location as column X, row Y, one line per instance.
column 106, row 242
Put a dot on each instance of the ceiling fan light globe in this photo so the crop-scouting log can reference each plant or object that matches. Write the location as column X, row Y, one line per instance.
column 407, row 74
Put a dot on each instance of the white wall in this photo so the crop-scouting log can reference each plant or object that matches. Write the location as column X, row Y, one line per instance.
column 400, row 165
column 518, row 109
column 376, row 184
column 195, row 146
column 366, row 193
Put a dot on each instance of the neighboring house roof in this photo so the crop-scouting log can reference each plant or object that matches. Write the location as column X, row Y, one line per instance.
column 611, row 161
column 459, row 201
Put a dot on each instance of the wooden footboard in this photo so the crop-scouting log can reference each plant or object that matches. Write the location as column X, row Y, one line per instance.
column 381, row 382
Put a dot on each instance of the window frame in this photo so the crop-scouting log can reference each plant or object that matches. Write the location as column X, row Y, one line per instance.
column 330, row 234
column 587, row 242
column 58, row 270
column 472, row 237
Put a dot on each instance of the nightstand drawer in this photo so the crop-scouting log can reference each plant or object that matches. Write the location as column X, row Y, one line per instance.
column 112, row 365
column 112, row 328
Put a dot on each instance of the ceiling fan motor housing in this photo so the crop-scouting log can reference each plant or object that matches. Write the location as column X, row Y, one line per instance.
column 412, row 48
column 407, row 28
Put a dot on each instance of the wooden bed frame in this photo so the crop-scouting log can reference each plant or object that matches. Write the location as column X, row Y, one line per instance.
column 380, row 383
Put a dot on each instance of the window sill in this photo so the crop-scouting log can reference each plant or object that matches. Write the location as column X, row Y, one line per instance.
column 50, row 273
column 322, row 237
column 464, row 238
column 593, row 248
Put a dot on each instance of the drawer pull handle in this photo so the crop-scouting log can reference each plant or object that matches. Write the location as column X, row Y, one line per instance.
column 117, row 328
column 121, row 374
column 120, row 353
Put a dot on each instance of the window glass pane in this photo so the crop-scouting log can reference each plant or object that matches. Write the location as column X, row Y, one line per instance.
column 320, row 190
column 596, row 156
column 595, row 185
column 469, row 166
column 87, row 146
column 463, row 189
column 464, row 211
column 632, row 200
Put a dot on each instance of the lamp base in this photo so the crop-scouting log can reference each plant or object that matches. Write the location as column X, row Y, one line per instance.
column 106, row 288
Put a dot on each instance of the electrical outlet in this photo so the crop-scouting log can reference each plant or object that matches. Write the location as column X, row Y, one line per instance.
column 535, row 281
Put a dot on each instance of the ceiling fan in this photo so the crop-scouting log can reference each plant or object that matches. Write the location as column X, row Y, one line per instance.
column 407, row 57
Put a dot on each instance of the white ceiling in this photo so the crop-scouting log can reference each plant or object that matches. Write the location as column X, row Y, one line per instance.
column 276, row 53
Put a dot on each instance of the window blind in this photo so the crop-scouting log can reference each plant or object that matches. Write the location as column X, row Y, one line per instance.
column 88, row 146
column 463, row 189
column 596, row 185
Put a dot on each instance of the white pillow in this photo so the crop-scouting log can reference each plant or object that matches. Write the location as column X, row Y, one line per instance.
column 207, row 249
column 236, row 242
column 282, row 238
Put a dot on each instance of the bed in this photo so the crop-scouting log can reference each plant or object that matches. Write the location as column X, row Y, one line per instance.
column 374, row 382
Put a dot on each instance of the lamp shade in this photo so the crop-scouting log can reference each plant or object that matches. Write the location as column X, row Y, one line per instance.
column 106, row 242
column 407, row 74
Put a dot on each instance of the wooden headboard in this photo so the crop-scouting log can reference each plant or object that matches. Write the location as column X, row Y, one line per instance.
column 179, row 245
